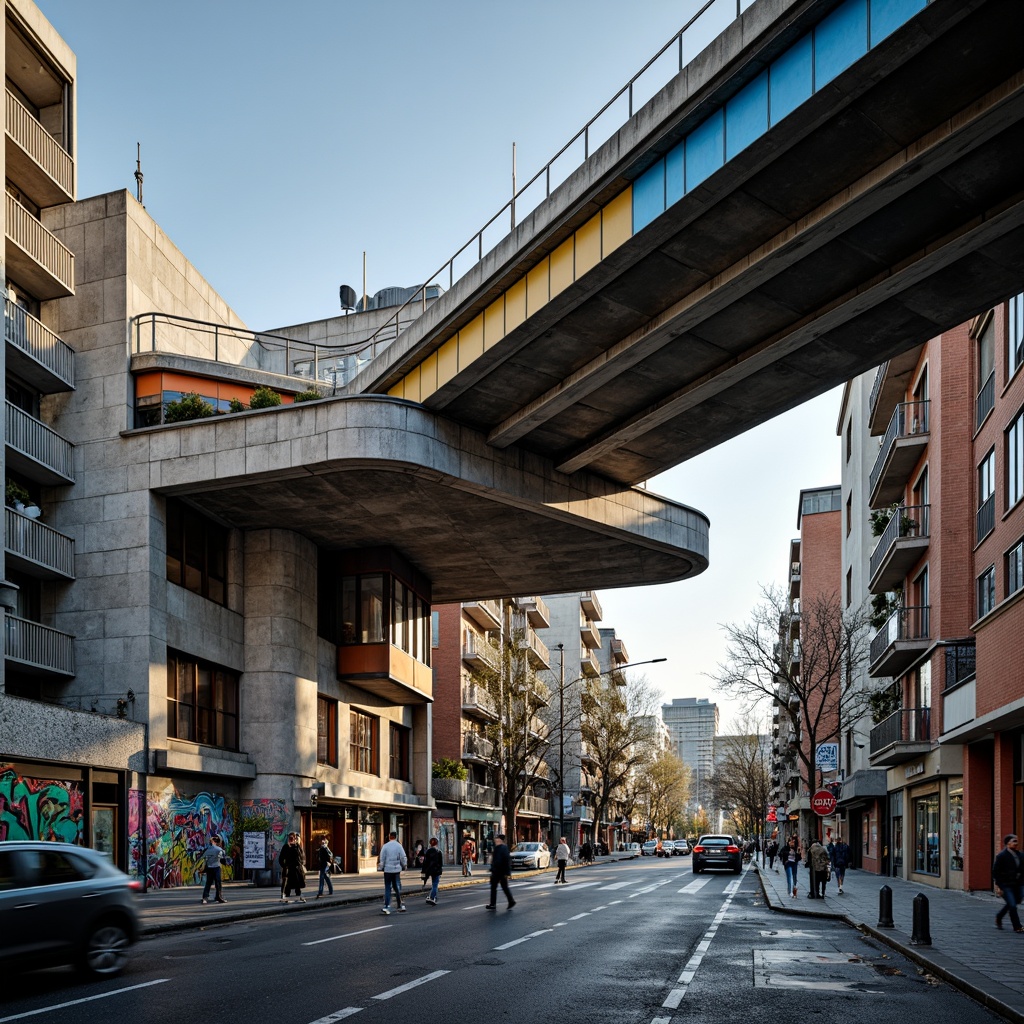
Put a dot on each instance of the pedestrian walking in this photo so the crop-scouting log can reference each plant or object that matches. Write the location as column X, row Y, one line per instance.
column 433, row 866
column 501, row 869
column 561, row 858
column 1008, row 876
column 213, row 859
column 840, row 861
column 392, row 861
column 293, row 869
column 468, row 855
column 772, row 851
column 326, row 861
column 790, row 862
column 819, row 864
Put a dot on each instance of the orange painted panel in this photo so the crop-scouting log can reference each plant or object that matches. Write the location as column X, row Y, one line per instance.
column 147, row 384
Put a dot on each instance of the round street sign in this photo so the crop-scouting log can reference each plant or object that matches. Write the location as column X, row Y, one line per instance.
column 823, row 802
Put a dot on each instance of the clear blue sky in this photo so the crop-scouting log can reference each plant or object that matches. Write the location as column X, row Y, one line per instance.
column 280, row 142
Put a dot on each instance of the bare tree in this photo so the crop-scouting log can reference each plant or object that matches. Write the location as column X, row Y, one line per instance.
column 814, row 683
column 665, row 789
column 742, row 777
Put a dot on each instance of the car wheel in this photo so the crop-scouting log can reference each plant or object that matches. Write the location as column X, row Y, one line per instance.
column 697, row 869
column 105, row 951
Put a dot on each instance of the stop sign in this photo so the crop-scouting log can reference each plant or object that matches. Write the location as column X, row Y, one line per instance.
column 823, row 802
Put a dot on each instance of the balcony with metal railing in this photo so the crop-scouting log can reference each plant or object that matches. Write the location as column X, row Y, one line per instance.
column 794, row 580
column 537, row 612
column 959, row 693
column 479, row 652
column 534, row 807
column 486, row 614
column 38, row 648
column 903, row 736
column 37, row 549
column 905, row 637
column 589, row 632
column 37, row 258
column 986, row 400
column 476, row 748
column 35, row 353
column 589, row 665
column 35, row 450
column 985, row 519
column 477, row 702
column 591, row 605
column 481, row 796
column 40, row 165
column 536, row 650
column 906, row 437
column 900, row 546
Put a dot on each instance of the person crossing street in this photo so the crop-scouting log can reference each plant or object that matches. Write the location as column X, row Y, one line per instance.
column 501, row 869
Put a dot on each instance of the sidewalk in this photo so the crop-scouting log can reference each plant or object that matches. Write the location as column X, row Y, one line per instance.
column 967, row 950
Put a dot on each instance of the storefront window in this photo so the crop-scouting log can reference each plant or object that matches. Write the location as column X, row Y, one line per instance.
column 896, row 843
column 956, row 826
column 926, row 834
column 368, row 834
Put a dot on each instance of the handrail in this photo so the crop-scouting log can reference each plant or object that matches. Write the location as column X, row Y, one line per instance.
column 477, row 238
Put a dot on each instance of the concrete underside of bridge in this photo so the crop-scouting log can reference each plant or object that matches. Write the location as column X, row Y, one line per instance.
column 885, row 209
column 477, row 521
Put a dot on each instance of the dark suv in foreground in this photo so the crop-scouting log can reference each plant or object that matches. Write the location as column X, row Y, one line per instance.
column 62, row 904
column 717, row 851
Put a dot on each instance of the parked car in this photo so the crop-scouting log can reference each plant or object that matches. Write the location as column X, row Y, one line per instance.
column 62, row 904
column 682, row 847
column 717, row 851
column 667, row 848
column 650, row 848
column 631, row 849
column 531, row 855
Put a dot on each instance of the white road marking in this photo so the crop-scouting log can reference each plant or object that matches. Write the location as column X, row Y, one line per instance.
column 586, row 913
column 675, row 997
column 84, row 999
column 525, row 938
column 618, row 885
column 347, row 935
column 696, row 885
column 412, row 984
column 339, row 1015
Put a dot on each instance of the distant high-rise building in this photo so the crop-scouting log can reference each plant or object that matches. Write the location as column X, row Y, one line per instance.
column 693, row 724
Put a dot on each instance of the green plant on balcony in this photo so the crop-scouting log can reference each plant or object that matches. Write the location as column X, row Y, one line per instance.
column 188, row 407
column 883, row 703
column 309, row 395
column 880, row 518
column 234, row 405
column 908, row 525
column 16, row 495
column 448, row 768
column 264, row 398
column 883, row 605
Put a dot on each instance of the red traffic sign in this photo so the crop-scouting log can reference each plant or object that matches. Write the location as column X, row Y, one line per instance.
column 823, row 802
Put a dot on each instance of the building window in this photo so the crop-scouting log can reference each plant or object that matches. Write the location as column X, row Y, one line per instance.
column 398, row 756
column 986, row 591
column 327, row 731
column 378, row 607
column 196, row 552
column 986, row 518
column 1015, row 461
column 849, row 515
column 986, row 372
column 926, row 834
column 1015, row 568
column 435, row 630
column 202, row 702
column 362, row 750
column 849, row 438
column 1015, row 334
column 849, row 586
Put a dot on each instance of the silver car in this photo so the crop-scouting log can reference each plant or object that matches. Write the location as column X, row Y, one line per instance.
column 530, row 855
column 63, row 904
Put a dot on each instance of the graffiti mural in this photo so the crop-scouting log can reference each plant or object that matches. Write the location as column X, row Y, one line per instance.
column 178, row 828
column 136, row 832
column 277, row 813
column 30, row 808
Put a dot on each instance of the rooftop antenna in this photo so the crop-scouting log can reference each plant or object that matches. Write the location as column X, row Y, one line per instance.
column 138, row 172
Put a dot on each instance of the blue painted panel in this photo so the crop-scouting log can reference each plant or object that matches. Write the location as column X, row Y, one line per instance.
column 674, row 184
column 888, row 15
column 790, row 80
column 746, row 116
column 705, row 149
column 649, row 196
column 840, row 40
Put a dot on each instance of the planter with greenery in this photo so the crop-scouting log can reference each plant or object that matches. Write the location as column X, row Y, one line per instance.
column 264, row 398
column 883, row 605
column 309, row 395
column 449, row 768
column 883, row 703
column 188, row 407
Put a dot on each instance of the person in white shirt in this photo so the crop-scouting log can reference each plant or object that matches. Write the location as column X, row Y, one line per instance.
column 392, row 861
column 562, row 856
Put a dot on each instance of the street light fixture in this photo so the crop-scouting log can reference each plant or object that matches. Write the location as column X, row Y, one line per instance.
column 561, row 722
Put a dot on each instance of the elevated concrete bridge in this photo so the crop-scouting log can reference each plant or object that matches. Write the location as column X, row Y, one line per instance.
column 826, row 186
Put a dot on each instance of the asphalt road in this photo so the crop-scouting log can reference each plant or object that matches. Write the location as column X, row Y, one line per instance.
column 633, row 942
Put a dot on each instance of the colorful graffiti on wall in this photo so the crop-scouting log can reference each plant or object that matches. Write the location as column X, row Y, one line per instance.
column 179, row 826
column 51, row 809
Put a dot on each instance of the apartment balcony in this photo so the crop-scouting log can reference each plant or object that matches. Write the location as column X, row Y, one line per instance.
column 450, row 791
column 794, row 581
column 986, row 401
column 39, row 164
column 481, row 796
column 478, row 703
column 38, row 648
column 903, row 736
column 900, row 642
column 35, row 450
column 477, row 748
column 479, row 652
column 618, row 651
column 536, row 650
column 35, row 257
column 890, row 386
column 587, row 755
column 537, row 612
column 585, row 812
column 899, row 548
column 589, row 665
column 589, row 633
column 901, row 448
column 38, row 549
column 534, row 807
column 985, row 519
column 35, row 353
column 591, row 606
column 486, row 614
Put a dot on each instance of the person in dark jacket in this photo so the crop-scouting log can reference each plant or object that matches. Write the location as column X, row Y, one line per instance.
column 790, row 856
column 325, row 860
column 840, row 861
column 1008, row 876
column 433, row 865
column 293, row 869
column 501, row 868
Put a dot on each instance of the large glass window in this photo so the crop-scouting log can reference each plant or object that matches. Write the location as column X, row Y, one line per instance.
column 926, row 834
column 196, row 552
column 987, row 591
column 1015, row 334
column 1015, row 568
column 986, row 371
column 956, row 825
column 379, row 606
column 398, row 755
column 362, row 750
column 1015, row 461
column 327, row 731
column 202, row 702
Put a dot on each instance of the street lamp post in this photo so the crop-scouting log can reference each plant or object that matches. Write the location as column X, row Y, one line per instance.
column 561, row 724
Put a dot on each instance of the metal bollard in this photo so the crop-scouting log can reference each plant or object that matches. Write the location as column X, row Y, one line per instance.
column 885, row 908
column 921, row 935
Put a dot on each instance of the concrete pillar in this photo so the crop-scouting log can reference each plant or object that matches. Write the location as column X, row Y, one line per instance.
column 978, row 822
column 279, row 686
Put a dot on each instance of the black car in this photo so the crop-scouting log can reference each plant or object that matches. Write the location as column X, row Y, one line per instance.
column 717, row 851
column 62, row 904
